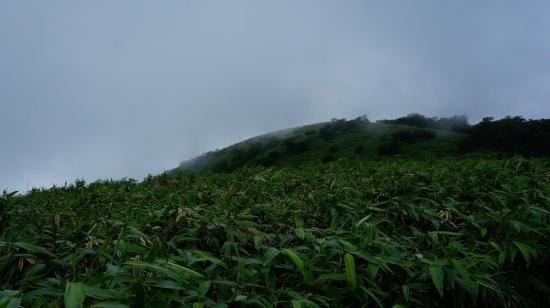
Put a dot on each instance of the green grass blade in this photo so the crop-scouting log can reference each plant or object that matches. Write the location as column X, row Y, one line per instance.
column 437, row 278
column 350, row 270
column 74, row 295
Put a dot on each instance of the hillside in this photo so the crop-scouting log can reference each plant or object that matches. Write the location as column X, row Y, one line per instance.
column 411, row 136
column 455, row 232
column 328, row 141
column 346, row 214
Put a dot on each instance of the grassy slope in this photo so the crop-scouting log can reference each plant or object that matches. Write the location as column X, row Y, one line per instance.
column 422, row 228
column 225, row 153
column 437, row 232
column 370, row 136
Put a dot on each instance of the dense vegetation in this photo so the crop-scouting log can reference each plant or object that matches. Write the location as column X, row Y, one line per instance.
column 510, row 135
column 346, row 213
column 410, row 136
column 392, row 232
column 328, row 141
column 454, row 123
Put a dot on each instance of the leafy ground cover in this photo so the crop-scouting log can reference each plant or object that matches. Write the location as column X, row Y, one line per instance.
column 443, row 232
column 328, row 141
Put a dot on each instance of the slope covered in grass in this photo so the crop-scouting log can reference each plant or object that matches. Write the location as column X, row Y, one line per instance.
column 442, row 232
column 412, row 136
column 328, row 141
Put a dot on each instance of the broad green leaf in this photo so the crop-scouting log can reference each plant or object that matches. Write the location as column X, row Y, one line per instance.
column 296, row 260
column 258, row 240
column 465, row 281
column 203, row 255
column 103, row 293
column 437, row 277
column 350, row 270
column 182, row 270
column 168, row 284
column 526, row 251
column 74, row 295
column 270, row 254
column 153, row 267
column 296, row 303
column 10, row 299
column 33, row 248
column 28, row 297
column 10, row 302
column 448, row 233
column 406, row 292
column 333, row 276
column 204, row 287
column 372, row 270
column 501, row 258
column 300, row 233
column 35, row 269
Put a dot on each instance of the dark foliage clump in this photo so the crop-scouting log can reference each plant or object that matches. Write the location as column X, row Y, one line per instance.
column 454, row 123
column 339, row 127
column 403, row 136
column 360, row 149
column 221, row 166
column 510, row 135
column 389, row 148
column 237, row 157
column 295, row 145
column 327, row 159
column 424, row 134
column 271, row 142
column 408, row 136
column 269, row 158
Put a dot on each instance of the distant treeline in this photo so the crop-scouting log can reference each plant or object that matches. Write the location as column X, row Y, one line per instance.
column 513, row 135
column 510, row 135
column 266, row 151
column 457, row 123
column 269, row 150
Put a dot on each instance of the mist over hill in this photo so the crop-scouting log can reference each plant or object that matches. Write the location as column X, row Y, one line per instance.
column 410, row 136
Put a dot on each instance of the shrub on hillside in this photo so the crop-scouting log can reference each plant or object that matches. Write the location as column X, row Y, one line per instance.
column 409, row 136
column 510, row 135
column 327, row 159
column 360, row 149
column 337, row 127
column 269, row 158
column 454, row 123
column 389, row 148
column 424, row 134
column 296, row 145
column 403, row 136
column 221, row 166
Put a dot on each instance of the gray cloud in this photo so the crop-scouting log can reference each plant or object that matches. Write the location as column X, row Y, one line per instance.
column 108, row 89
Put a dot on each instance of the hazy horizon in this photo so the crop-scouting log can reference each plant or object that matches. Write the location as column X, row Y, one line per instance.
column 109, row 89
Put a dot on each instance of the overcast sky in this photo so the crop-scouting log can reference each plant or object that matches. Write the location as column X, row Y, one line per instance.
column 111, row 89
